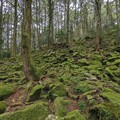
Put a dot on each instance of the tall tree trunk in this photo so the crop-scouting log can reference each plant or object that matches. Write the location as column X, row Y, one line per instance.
column 98, row 22
column 68, row 20
column 50, row 36
column 117, row 14
column 1, row 26
column 26, row 41
column 14, row 49
column 8, row 29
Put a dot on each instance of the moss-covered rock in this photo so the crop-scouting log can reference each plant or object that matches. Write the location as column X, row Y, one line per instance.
column 60, row 106
column 83, row 61
column 35, row 111
column 6, row 90
column 105, row 111
column 74, row 115
column 82, row 87
column 35, row 93
column 57, row 90
column 3, row 78
column 109, row 109
column 111, row 96
column 3, row 106
column 116, row 62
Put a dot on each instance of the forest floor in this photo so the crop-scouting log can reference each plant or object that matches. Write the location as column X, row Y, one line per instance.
column 75, row 83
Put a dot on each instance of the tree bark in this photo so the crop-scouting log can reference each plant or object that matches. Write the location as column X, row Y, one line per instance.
column 98, row 23
column 50, row 36
column 1, row 26
column 14, row 47
column 68, row 21
column 26, row 41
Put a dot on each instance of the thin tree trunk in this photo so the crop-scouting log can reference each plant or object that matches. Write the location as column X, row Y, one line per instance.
column 1, row 26
column 14, row 49
column 98, row 23
column 8, row 32
column 68, row 27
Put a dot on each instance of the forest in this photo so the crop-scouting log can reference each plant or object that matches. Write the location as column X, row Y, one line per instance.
column 59, row 59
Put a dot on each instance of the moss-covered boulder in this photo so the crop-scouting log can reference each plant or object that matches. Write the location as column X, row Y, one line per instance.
column 82, row 87
column 3, row 77
column 111, row 96
column 3, row 106
column 37, row 111
column 6, row 90
column 61, row 106
column 83, row 61
column 57, row 90
column 116, row 62
column 105, row 111
column 109, row 109
column 35, row 93
column 74, row 115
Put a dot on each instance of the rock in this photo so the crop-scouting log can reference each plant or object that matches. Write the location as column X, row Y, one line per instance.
column 53, row 117
column 111, row 96
column 83, row 61
column 97, row 57
column 90, row 76
column 81, row 87
column 60, row 106
column 3, row 106
column 57, row 90
column 35, row 93
column 109, row 72
column 74, row 115
column 116, row 62
column 35, row 111
column 3, row 78
column 117, row 72
column 6, row 90
column 105, row 111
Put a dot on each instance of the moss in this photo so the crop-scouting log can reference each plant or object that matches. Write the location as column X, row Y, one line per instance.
column 82, row 87
column 6, row 90
column 117, row 72
column 81, row 106
column 3, row 106
column 109, row 72
column 97, row 63
column 97, row 57
column 110, row 109
column 57, row 90
column 74, row 115
column 111, row 96
column 60, row 106
column 116, row 62
column 32, row 112
column 83, row 61
column 35, row 93
column 3, row 77
column 106, row 111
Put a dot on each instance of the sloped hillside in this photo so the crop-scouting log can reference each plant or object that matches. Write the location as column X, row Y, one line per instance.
column 75, row 84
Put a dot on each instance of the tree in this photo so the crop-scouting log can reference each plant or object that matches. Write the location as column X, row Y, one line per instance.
column 98, row 22
column 50, row 15
column 26, row 41
column 14, row 47
column 1, row 25
column 68, row 20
